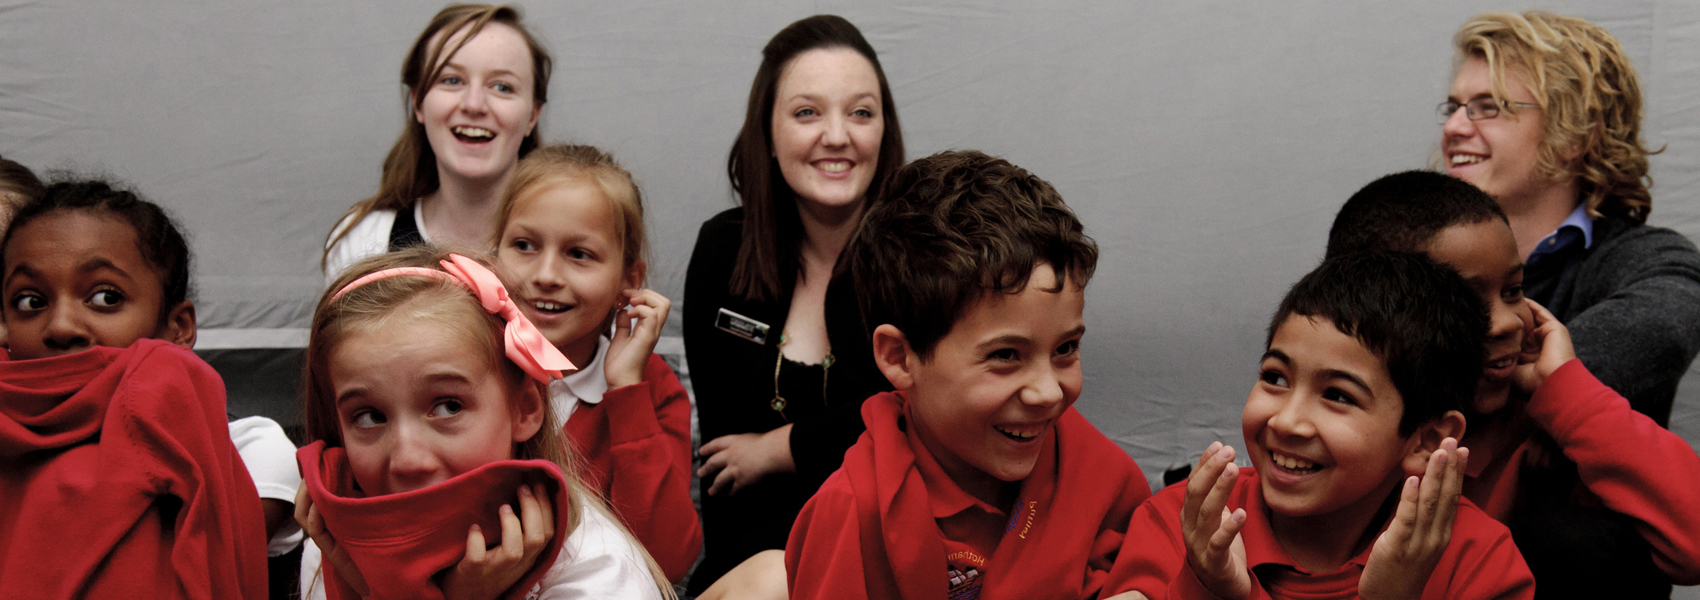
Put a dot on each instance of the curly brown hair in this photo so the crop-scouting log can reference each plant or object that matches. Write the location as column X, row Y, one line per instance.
column 954, row 227
column 1589, row 94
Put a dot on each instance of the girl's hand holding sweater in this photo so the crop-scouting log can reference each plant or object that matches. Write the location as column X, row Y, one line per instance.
column 483, row 574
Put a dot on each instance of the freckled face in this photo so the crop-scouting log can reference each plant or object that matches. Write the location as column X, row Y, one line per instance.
column 1322, row 423
column 991, row 393
column 417, row 407
column 74, row 280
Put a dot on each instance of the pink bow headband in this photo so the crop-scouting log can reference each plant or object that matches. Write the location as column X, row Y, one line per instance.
column 525, row 345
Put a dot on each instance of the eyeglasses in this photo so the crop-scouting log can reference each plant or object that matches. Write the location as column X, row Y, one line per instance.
column 1477, row 109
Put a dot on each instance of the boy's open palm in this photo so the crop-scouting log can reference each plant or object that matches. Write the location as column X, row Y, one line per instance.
column 636, row 329
column 485, row 573
column 1404, row 556
column 1212, row 532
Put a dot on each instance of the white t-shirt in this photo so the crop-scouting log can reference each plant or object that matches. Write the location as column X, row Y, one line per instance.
column 270, row 458
column 596, row 561
column 588, row 384
column 369, row 237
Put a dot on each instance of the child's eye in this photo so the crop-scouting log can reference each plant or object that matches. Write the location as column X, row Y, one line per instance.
column 450, row 80
column 1336, row 395
column 1007, row 354
column 1068, row 348
column 29, row 302
column 368, row 418
column 106, row 298
column 446, row 408
column 1273, row 377
column 523, row 245
column 580, row 254
column 1514, row 293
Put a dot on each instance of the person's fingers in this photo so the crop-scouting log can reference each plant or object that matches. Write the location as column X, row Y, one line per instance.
column 474, row 545
column 1221, row 486
column 722, row 482
column 1452, row 487
column 545, row 505
column 715, row 445
column 1405, row 515
column 303, row 502
column 1198, row 485
column 714, row 464
column 531, row 521
column 513, row 535
column 1230, row 525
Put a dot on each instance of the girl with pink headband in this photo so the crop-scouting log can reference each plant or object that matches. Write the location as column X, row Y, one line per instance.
column 434, row 470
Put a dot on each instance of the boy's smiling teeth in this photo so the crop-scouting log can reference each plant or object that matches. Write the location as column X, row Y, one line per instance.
column 1293, row 463
column 1022, row 433
column 473, row 133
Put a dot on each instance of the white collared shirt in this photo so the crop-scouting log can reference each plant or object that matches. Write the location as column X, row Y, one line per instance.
column 586, row 385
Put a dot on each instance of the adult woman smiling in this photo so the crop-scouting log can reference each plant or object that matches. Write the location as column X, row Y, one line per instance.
column 476, row 83
column 778, row 355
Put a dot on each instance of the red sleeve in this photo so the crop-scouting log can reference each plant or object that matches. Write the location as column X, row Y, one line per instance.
column 823, row 557
column 1153, row 550
column 1634, row 466
column 649, row 452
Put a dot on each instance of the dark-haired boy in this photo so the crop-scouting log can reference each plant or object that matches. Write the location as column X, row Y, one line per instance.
column 976, row 479
column 1368, row 360
column 1602, row 500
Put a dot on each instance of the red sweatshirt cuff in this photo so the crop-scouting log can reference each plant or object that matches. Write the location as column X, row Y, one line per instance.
column 631, row 415
column 1568, row 397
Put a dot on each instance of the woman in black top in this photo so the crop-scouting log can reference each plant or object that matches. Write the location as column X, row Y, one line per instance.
column 779, row 358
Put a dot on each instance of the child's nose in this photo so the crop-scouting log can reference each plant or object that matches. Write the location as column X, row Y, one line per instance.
column 473, row 100
column 1293, row 419
column 413, row 458
column 1045, row 390
column 1505, row 323
column 65, row 331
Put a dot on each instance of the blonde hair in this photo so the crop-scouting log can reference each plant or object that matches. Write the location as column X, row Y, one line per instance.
column 554, row 165
column 410, row 169
column 415, row 299
column 1589, row 93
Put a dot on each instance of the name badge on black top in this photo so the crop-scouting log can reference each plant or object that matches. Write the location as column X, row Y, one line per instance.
column 741, row 326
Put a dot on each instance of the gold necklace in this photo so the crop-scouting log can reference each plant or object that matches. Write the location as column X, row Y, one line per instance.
column 778, row 403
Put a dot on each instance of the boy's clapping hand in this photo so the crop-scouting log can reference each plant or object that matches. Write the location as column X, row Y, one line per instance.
column 1545, row 349
column 1212, row 532
column 1404, row 556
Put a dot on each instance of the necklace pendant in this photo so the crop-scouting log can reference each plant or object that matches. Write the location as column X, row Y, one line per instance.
column 778, row 404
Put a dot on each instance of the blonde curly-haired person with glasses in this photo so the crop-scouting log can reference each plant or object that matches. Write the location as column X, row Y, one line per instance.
column 1544, row 114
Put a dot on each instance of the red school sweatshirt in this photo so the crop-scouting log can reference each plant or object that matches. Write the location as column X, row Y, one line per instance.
column 1480, row 562
column 1625, row 460
column 636, row 447
column 871, row 530
column 118, row 479
column 400, row 542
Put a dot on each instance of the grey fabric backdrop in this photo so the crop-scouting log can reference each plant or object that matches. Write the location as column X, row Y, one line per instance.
column 1205, row 144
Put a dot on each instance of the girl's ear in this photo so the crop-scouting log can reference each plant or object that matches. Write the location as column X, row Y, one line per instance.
column 635, row 274
column 528, row 411
column 179, row 325
column 1426, row 439
column 894, row 356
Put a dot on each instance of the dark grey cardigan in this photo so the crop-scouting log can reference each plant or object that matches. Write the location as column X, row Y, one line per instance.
column 1632, row 303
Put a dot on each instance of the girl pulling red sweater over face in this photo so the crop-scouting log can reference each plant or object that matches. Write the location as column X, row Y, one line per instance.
column 570, row 231
column 115, row 459
column 434, row 469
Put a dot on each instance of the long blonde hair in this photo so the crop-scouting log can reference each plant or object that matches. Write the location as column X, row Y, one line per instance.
column 1590, row 97
column 410, row 170
column 376, row 303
